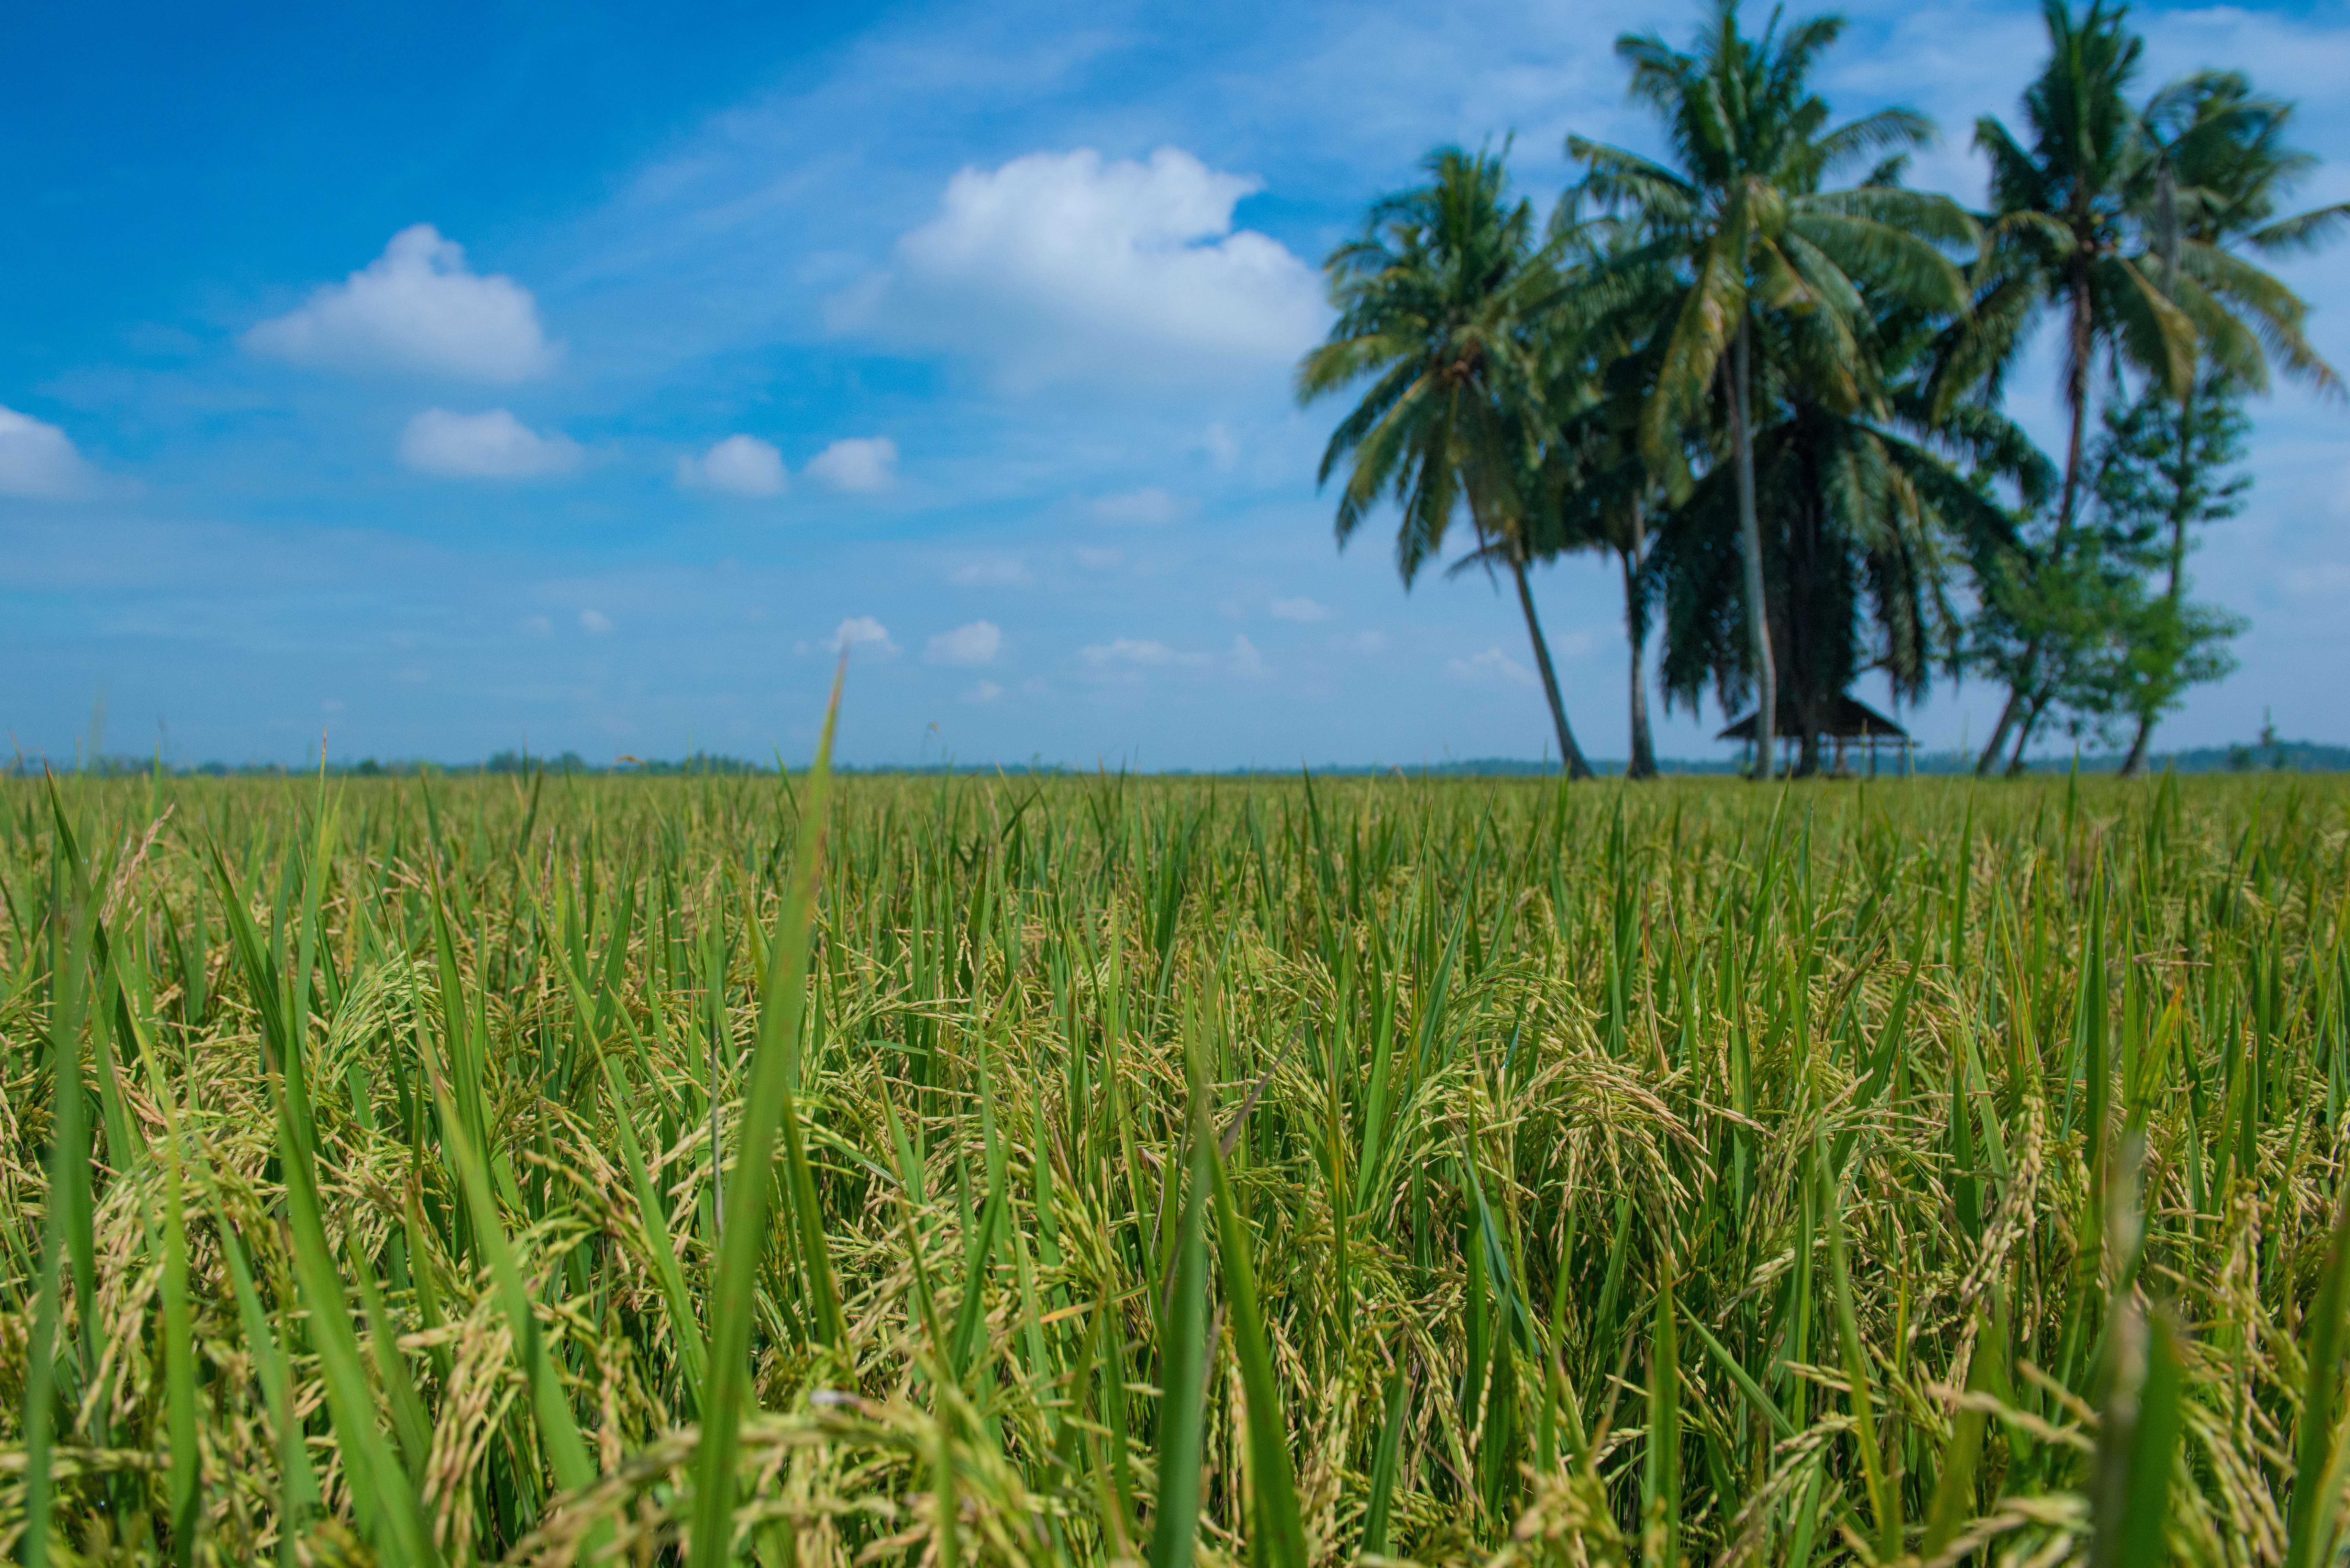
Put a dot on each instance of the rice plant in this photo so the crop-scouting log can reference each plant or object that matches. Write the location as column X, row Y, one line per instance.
column 970, row 1171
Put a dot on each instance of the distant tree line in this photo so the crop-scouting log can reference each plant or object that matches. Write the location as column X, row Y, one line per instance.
column 2269, row 753
column 1773, row 393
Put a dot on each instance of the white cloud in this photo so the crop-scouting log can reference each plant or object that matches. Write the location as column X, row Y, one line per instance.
column 974, row 644
column 1139, row 508
column 1125, row 657
column 1363, row 644
column 1060, row 267
column 992, row 572
column 1492, row 667
column 415, row 308
column 537, row 625
column 857, row 466
column 38, row 458
column 1094, row 558
column 986, row 691
column 1126, row 650
column 1245, row 659
column 739, row 465
column 492, row 445
column 863, row 631
column 1300, row 609
column 595, row 621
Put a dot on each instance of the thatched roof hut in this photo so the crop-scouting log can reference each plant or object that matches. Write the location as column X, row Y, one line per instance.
column 1849, row 719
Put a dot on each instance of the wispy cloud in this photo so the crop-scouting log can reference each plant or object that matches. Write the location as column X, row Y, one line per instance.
column 1490, row 667
column 992, row 572
column 38, row 459
column 974, row 644
column 1146, row 508
column 1132, row 652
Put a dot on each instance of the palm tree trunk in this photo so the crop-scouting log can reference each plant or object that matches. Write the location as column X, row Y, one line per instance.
column 2006, row 726
column 1644, row 752
column 1800, row 674
column 2039, row 705
column 1576, row 768
column 2135, row 763
column 1750, row 547
column 2076, row 394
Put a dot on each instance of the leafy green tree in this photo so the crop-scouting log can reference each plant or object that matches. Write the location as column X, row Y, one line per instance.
column 2223, row 167
column 1437, row 309
column 1601, row 485
column 2123, row 224
column 1877, row 512
column 2061, row 240
column 2165, row 468
column 1743, row 223
column 2062, row 624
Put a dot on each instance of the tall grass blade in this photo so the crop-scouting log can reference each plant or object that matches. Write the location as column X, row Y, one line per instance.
column 1175, row 1528
column 1280, row 1531
column 768, row 1104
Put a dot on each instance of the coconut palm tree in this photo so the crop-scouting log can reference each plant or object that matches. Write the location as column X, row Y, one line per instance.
column 1877, row 506
column 2222, row 167
column 2061, row 240
column 1435, row 308
column 1741, row 218
column 1589, row 490
column 1603, row 500
column 1601, row 485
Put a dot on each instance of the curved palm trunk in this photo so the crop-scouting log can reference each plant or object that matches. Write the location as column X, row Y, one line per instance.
column 2134, row 764
column 1800, row 674
column 2076, row 394
column 1636, row 632
column 1999, row 732
column 1750, row 549
column 1576, row 768
column 2038, row 706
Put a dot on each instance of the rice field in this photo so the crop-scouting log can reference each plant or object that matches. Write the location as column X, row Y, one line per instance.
column 946, row 1171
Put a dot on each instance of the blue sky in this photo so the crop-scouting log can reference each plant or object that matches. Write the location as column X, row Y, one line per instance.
column 457, row 378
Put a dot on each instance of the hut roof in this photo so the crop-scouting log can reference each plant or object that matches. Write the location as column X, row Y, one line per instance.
column 1847, row 719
